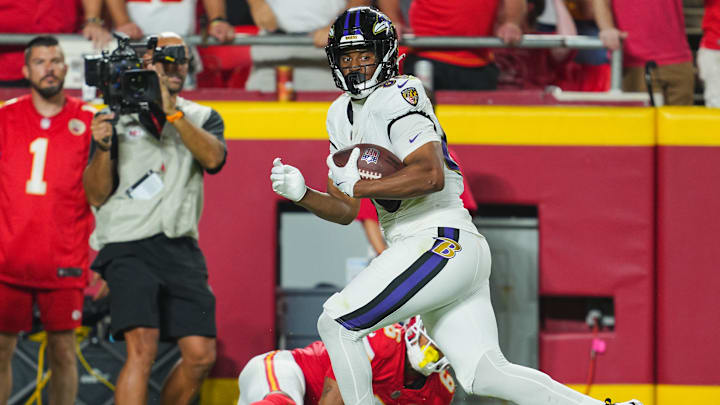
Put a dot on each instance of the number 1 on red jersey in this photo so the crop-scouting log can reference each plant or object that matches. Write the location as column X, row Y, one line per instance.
column 36, row 185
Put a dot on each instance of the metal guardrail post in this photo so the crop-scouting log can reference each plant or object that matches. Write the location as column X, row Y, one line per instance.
column 616, row 67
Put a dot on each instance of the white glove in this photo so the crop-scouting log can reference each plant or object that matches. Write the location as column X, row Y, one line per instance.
column 287, row 181
column 345, row 177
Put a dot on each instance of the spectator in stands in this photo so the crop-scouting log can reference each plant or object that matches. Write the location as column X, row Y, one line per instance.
column 468, row 69
column 238, row 13
column 300, row 17
column 45, row 16
column 367, row 216
column 649, row 30
column 138, row 18
column 228, row 66
column 708, row 57
column 45, row 220
column 537, row 68
column 311, row 17
column 589, row 69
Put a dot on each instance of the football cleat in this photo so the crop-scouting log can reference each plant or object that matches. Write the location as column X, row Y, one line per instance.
column 609, row 401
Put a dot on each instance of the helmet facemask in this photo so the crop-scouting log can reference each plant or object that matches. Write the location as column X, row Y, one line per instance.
column 425, row 359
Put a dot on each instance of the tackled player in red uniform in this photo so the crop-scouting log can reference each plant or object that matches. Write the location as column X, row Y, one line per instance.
column 45, row 220
column 407, row 369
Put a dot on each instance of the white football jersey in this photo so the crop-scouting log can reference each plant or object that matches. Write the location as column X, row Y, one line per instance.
column 158, row 16
column 399, row 117
column 303, row 16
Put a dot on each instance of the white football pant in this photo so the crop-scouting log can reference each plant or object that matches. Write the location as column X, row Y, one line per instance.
column 441, row 274
column 271, row 371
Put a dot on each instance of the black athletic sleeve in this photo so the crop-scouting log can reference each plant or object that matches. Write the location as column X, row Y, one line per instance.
column 216, row 126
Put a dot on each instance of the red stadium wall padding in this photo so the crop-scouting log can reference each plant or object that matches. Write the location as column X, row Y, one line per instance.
column 238, row 237
column 596, row 239
column 688, row 258
column 688, row 230
column 595, row 211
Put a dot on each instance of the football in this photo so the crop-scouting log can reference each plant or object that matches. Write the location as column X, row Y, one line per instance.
column 374, row 162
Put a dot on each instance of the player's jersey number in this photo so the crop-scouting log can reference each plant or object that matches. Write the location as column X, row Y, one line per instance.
column 36, row 185
column 447, row 381
column 393, row 332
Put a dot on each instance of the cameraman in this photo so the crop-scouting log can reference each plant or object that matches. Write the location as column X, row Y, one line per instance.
column 145, row 180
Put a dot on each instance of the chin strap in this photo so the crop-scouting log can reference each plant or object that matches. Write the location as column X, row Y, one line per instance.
column 353, row 79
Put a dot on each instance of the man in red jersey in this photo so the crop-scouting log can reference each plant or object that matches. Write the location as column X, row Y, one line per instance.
column 407, row 369
column 464, row 69
column 649, row 30
column 45, row 220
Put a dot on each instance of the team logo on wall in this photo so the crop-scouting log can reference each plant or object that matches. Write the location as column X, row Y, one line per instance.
column 135, row 132
column 76, row 127
column 410, row 95
column 370, row 155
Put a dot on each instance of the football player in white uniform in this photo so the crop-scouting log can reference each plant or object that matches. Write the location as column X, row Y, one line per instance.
column 437, row 264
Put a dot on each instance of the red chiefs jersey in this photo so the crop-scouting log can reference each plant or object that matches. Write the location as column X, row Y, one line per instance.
column 386, row 350
column 656, row 31
column 711, row 25
column 45, row 220
column 33, row 16
column 314, row 363
column 461, row 18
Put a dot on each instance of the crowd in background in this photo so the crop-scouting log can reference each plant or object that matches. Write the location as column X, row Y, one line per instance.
column 660, row 49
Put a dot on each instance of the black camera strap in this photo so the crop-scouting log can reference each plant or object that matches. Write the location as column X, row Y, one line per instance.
column 153, row 120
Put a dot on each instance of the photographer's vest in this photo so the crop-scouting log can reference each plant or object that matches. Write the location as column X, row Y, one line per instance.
column 173, row 210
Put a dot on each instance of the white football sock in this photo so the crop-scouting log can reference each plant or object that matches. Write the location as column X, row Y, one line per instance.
column 497, row 377
column 349, row 361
